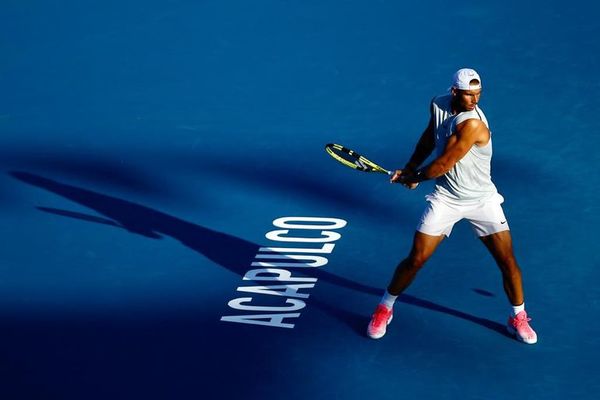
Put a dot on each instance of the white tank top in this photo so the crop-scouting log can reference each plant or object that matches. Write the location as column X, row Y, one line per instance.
column 470, row 179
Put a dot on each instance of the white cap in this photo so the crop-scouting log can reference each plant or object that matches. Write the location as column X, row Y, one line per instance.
column 463, row 76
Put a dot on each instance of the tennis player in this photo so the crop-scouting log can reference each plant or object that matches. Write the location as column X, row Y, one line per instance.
column 459, row 132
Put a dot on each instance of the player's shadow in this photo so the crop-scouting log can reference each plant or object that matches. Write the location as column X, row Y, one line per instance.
column 228, row 251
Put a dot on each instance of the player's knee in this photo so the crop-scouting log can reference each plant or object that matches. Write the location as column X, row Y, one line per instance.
column 417, row 260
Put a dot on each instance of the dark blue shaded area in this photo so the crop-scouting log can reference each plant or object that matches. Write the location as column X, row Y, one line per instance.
column 225, row 250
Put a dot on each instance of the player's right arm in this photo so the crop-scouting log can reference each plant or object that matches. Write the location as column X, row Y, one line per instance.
column 423, row 150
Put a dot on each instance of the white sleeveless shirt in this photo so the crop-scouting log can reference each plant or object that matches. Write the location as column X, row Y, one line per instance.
column 470, row 179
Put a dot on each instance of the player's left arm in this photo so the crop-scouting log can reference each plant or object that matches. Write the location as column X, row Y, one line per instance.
column 468, row 133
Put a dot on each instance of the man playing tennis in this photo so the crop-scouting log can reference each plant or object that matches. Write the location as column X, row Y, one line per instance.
column 459, row 131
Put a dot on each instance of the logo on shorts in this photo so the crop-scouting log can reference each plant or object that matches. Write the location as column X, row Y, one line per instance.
column 503, row 222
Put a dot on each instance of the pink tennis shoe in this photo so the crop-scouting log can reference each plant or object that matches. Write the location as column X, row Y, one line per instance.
column 519, row 327
column 379, row 321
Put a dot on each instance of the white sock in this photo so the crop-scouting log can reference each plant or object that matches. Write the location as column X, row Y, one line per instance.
column 517, row 309
column 388, row 300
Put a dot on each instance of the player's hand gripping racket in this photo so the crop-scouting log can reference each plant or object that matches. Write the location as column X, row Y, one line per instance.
column 352, row 159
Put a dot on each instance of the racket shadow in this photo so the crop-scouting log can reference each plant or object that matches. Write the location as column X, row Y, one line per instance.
column 230, row 252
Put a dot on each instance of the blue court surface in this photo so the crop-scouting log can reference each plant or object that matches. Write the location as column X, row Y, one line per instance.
column 153, row 153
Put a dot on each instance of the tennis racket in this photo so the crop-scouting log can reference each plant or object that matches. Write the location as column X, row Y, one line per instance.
column 352, row 159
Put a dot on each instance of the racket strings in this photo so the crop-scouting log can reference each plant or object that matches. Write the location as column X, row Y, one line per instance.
column 350, row 157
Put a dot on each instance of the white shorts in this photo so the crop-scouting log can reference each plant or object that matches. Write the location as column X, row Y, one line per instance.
column 440, row 216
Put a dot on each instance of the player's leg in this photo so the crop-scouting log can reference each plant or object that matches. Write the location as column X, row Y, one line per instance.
column 436, row 223
column 500, row 246
column 490, row 224
column 423, row 247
